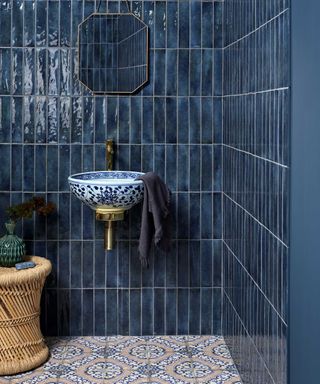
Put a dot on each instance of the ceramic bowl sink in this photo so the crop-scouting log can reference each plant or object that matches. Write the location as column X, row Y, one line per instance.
column 107, row 189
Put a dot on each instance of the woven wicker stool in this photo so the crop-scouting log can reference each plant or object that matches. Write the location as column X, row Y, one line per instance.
column 22, row 345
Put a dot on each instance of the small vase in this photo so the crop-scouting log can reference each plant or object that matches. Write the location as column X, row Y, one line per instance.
column 12, row 248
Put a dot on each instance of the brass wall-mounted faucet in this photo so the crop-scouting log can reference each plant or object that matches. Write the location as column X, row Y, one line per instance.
column 109, row 155
column 109, row 215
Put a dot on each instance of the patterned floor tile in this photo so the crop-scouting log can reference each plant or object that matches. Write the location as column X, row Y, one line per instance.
column 129, row 360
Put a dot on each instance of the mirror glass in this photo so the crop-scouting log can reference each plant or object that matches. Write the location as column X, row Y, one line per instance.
column 113, row 53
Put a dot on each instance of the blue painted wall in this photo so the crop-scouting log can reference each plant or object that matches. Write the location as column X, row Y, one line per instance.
column 256, row 122
column 305, row 192
column 51, row 127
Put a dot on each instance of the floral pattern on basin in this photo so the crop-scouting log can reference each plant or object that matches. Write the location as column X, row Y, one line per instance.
column 107, row 189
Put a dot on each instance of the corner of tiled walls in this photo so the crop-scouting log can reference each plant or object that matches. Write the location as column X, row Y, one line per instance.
column 255, row 187
column 51, row 127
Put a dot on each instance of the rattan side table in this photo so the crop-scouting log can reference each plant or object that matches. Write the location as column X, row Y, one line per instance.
column 22, row 346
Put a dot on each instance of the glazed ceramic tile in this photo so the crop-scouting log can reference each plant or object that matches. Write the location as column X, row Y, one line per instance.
column 141, row 360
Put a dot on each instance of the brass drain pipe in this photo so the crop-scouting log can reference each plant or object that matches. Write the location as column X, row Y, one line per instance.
column 109, row 215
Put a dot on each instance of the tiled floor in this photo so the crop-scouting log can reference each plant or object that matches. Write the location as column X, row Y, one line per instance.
column 122, row 360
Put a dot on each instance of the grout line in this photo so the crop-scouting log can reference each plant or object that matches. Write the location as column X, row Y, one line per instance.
column 256, row 156
column 257, row 29
column 253, row 217
column 250, row 337
column 270, row 90
column 255, row 283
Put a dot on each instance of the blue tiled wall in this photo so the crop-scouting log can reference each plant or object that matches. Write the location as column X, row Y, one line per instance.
column 51, row 127
column 255, row 187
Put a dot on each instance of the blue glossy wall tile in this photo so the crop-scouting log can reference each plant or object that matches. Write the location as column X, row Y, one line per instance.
column 51, row 127
column 256, row 134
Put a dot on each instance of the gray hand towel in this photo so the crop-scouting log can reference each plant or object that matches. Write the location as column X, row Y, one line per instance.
column 156, row 217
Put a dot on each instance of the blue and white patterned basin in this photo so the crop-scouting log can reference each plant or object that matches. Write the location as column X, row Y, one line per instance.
column 107, row 189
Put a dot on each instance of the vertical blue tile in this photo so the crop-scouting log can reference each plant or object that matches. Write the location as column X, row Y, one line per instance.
column 183, row 120
column 171, row 312
column 64, row 216
column 5, row 173
column 111, row 314
column 52, row 168
column 206, row 311
column 183, row 72
column 123, row 311
column 159, row 119
column 194, row 263
column 17, row 23
column 53, row 23
column 160, row 71
column 100, row 265
column 171, row 167
column 195, row 121
column 171, row 71
column 218, row 24
column 194, row 316
column 123, row 255
column 5, row 119
column 41, row 72
column 159, row 268
column 195, row 167
column 112, row 270
column 65, row 120
column 172, row 24
column 171, row 267
column 87, row 264
column 40, row 168
column 207, row 24
column 100, row 311
column 183, row 315
column 16, row 168
column 160, row 24
column 52, row 120
column 196, row 20
column 184, row 24
column 17, row 71
column 136, row 120
column 29, row 23
column 147, row 120
column 65, row 71
column 87, row 314
column 207, row 72
column 65, row 23
column 41, row 23
column 216, row 310
column 28, row 168
column 112, row 117
column 183, row 182
column 52, row 255
column 28, row 124
column 51, row 306
column 217, row 83
column 64, row 170
column 64, row 264
column 206, row 216
column 5, row 80
column 195, row 221
column 195, row 72
column 183, row 264
column 75, row 260
column 147, row 310
column 124, row 119
column 149, row 16
column 135, row 312
column 159, row 311
column 76, row 12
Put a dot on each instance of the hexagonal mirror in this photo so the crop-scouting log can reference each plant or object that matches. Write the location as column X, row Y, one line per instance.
column 113, row 53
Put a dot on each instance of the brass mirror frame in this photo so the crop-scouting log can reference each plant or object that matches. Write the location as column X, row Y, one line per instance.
column 147, row 54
